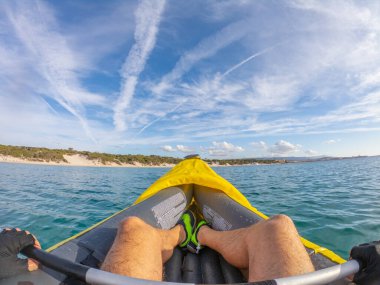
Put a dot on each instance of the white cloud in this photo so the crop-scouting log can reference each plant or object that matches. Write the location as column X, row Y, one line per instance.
column 217, row 152
column 183, row 148
column 222, row 149
column 148, row 16
column 227, row 146
column 280, row 148
column 260, row 145
column 311, row 152
column 179, row 147
column 332, row 141
column 283, row 147
column 168, row 148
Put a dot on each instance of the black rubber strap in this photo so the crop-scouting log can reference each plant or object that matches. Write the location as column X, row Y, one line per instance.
column 62, row 265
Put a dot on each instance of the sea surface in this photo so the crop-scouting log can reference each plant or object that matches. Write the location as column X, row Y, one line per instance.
column 335, row 204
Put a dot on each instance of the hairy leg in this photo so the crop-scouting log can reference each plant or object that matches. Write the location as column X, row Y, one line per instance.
column 140, row 250
column 269, row 249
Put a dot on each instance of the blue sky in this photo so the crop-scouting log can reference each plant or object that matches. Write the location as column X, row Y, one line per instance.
column 220, row 78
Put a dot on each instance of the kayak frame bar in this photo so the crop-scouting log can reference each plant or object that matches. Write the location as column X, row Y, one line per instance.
column 57, row 263
column 96, row 276
column 322, row 276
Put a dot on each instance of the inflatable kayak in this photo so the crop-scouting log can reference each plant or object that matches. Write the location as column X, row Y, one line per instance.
column 191, row 183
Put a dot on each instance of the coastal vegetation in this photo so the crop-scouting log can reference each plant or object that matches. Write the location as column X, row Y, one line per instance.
column 34, row 153
column 40, row 154
column 58, row 155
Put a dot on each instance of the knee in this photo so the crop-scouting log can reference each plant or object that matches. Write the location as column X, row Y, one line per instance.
column 131, row 224
column 281, row 224
column 282, row 219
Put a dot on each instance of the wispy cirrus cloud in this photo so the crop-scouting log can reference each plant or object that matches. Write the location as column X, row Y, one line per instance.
column 297, row 76
column 204, row 49
column 148, row 16
column 128, row 74
column 49, row 56
column 206, row 91
column 106, row 31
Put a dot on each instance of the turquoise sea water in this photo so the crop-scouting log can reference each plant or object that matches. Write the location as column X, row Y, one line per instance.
column 335, row 203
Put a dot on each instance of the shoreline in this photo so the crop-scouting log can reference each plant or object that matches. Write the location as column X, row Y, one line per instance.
column 79, row 160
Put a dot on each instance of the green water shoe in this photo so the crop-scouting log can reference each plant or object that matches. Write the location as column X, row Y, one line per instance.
column 187, row 220
column 194, row 245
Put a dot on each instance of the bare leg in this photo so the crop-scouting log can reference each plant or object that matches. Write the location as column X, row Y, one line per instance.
column 269, row 249
column 140, row 250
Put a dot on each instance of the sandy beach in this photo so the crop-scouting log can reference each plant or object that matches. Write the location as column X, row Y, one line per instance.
column 77, row 160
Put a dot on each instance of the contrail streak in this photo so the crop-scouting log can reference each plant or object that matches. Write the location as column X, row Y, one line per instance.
column 161, row 117
column 148, row 17
column 264, row 51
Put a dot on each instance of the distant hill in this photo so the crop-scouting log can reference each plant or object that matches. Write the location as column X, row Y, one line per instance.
column 301, row 158
column 314, row 158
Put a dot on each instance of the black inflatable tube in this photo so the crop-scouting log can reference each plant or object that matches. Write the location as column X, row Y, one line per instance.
column 59, row 264
column 173, row 271
column 191, row 269
column 211, row 271
column 79, row 271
